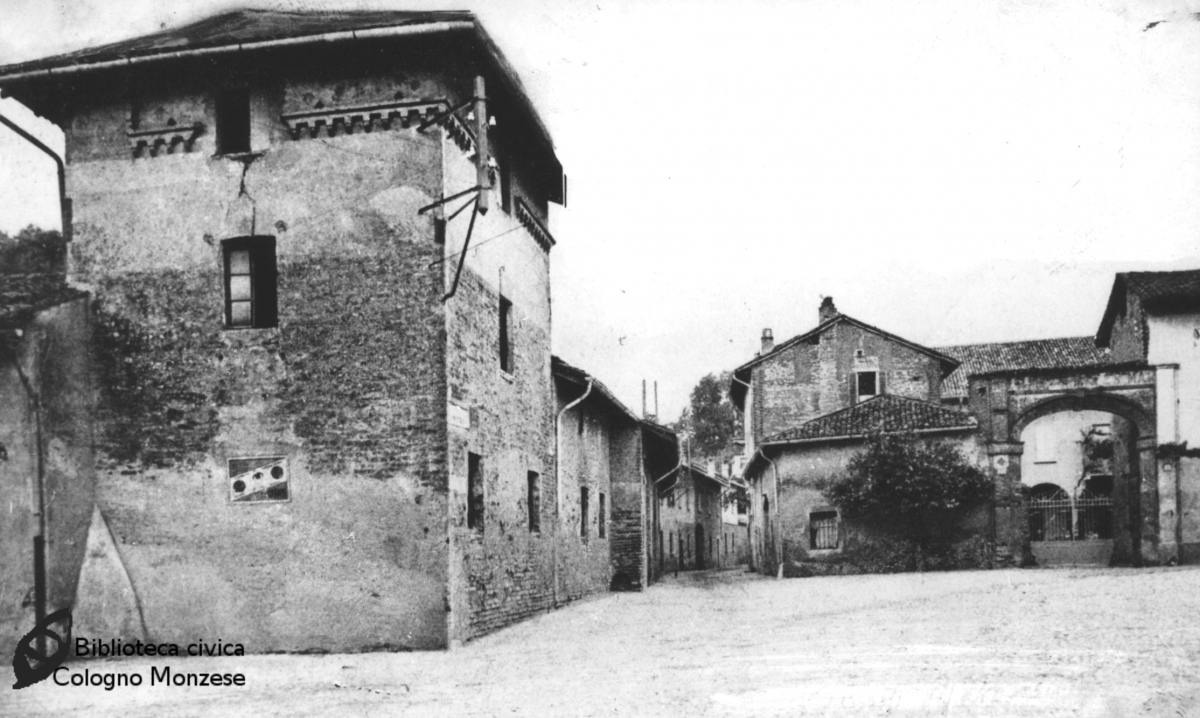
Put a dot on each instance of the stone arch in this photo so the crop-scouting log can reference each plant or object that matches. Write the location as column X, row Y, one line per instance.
column 1142, row 417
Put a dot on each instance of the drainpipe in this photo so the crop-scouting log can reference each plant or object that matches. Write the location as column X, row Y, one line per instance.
column 658, row 517
column 64, row 202
column 558, row 479
column 39, row 500
column 777, row 547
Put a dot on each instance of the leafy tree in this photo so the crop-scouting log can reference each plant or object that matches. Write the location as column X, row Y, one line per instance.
column 918, row 489
column 710, row 419
column 32, row 251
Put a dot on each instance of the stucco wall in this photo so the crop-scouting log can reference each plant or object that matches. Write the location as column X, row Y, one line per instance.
column 1175, row 339
column 1053, row 450
column 801, row 470
column 52, row 352
column 349, row 388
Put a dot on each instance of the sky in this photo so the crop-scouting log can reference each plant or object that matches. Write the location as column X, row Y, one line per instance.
column 950, row 172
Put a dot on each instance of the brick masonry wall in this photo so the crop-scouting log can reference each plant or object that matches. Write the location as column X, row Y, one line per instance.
column 1128, row 338
column 627, row 535
column 350, row 387
column 507, row 573
column 808, row 380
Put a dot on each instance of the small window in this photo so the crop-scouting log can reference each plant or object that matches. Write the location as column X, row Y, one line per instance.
column 505, row 335
column 534, row 501
column 505, row 188
column 475, row 503
column 600, row 508
column 250, row 277
column 822, row 530
column 233, row 122
column 671, row 535
column 868, row 384
column 583, row 512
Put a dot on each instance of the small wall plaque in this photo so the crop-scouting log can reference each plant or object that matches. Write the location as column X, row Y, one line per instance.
column 259, row 479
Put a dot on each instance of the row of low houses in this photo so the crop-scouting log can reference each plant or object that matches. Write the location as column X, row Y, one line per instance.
column 1091, row 442
column 291, row 383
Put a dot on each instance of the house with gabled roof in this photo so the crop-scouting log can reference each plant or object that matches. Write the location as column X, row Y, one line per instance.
column 809, row 404
column 1086, row 438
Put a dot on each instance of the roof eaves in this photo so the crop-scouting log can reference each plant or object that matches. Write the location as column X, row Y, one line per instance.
column 574, row 374
column 856, row 437
column 861, row 324
column 61, row 64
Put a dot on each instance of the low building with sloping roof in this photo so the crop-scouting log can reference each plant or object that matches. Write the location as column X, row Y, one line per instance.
column 604, row 506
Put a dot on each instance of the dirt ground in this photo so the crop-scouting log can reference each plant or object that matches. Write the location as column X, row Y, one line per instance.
column 1067, row 642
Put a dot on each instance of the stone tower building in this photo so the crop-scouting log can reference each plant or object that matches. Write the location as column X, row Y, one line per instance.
column 315, row 415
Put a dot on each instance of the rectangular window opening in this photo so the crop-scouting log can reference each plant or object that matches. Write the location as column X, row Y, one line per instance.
column 475, row 503
column 583, row 512
column 822, row 530
column 534, row 501
column 233, row 122
column 505, row 335
column 505, row 188
column 250, row 283
column 600, row 508
column 867, row 384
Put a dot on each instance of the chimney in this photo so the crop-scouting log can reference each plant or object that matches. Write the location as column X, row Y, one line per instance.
column 768, row 341
column 827, row 310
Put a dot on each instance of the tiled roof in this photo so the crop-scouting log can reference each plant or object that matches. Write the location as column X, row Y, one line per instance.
column 1164, row 292
column 23, row 296
column 236, row 28
column 575, row 375
column 1154, row 287
column 1062, row 353
column 887, row 413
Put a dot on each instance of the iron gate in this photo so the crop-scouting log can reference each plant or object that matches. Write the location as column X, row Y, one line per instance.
column 1054, row 516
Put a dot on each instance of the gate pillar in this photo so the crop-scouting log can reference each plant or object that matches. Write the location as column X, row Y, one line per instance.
column 1010, row 522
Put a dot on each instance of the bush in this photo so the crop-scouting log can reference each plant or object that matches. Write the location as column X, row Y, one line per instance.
column 917, row 491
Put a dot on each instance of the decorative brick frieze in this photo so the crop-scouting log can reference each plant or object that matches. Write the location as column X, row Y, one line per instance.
column 534, row 225
column 346, row 120
column 151, row 141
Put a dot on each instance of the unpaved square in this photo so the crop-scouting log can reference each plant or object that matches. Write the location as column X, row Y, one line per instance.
column 1068, row 642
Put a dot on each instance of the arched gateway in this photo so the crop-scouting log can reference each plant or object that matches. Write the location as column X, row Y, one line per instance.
column 1123, row 510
